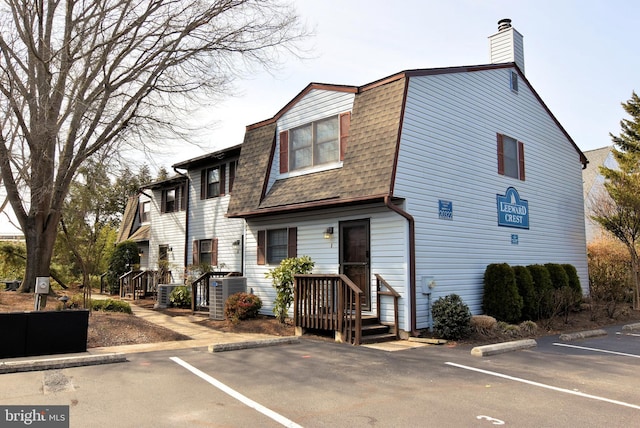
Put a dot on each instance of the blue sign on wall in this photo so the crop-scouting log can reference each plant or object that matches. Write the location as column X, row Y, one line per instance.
column 512, row 211
column 445, row 210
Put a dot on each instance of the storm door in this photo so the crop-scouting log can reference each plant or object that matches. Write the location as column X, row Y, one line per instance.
column 354, row 256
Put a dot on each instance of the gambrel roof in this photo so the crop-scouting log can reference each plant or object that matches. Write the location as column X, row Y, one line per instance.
column 368, row 169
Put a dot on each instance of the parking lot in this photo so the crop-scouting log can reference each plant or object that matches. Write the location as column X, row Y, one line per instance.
column 592, row 383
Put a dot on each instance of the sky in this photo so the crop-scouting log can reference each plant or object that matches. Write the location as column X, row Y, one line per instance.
column 581, row 56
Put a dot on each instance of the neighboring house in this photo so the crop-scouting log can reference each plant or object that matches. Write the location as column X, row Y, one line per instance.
column 212, row 239
column 136, row 225
column 593, row 187
column 422, row 178
column 180, row 223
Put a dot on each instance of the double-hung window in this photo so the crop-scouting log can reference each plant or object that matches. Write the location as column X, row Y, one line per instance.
column 510, row 157
column 314, row 144
column 205, row 252
column 275, row 245
column 173, row 200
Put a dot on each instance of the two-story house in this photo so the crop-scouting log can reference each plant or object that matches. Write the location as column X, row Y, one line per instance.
column 421, row 179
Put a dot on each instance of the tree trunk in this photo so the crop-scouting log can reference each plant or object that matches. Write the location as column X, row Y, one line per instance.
column 636, row 280
column 40, row 236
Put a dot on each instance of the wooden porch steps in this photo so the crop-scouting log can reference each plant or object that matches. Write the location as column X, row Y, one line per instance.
column 375, row 332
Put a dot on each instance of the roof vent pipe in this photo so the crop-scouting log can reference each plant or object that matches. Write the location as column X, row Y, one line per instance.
column 504, row 24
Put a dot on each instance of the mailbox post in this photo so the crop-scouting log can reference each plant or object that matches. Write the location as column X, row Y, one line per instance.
column 41, row 289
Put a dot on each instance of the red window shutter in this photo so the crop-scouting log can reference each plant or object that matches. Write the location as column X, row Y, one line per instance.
column 292, row 247
column 195, row 257
column 345, row 123
column 284, row 152
column 262, row 241
column 500, row 155
column 223, row 176
column 521, row 159
column 232, row 174
column 203, row 184
column 214, row 252
column 163, row 201
column 140, row 212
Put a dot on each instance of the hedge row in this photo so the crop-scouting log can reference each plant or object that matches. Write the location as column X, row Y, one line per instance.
column 533, row 292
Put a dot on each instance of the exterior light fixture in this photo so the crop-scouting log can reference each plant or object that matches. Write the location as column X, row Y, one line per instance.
column 328, row 233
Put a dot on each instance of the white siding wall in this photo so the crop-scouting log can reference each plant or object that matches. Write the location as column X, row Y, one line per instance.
column 167, row 229
column 388, row 234
column 317, row 104
column 207, row 220
column 448, row 151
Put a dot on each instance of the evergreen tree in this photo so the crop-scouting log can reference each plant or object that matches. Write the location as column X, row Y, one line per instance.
column 619, row 212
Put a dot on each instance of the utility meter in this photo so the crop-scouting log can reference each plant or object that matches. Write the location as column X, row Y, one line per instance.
column 42, row 285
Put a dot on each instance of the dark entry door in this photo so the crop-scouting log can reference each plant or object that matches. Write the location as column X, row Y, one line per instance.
column 354, row 256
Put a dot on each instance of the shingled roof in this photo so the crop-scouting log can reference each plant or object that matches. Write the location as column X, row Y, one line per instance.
column 366, row 173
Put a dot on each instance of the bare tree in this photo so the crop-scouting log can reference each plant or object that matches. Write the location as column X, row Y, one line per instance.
column 79, row 76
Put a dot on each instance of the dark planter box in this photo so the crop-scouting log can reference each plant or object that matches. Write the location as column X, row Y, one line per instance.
column 25, row 334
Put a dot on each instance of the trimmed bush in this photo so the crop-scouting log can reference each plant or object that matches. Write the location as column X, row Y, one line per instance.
column 501, row 299
column 526, row 289
column 181, row 297
column 610, row 285
column 574, row 282
column 451, row 317
column 543, row 289
column 242, row 306
column 558, row 275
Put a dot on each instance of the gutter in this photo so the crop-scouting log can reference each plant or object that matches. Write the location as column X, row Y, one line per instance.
column 186, row 217
column 412, row 261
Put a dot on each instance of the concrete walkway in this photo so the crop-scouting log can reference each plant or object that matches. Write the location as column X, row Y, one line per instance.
column 201, row 336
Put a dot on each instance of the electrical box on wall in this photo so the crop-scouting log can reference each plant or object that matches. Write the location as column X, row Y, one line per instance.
column 428, row 283
column 42, row 285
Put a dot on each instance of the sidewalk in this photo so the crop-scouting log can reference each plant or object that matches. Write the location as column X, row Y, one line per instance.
column 199, row 337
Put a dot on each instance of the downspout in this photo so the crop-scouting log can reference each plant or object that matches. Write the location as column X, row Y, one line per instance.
column 186, row 219
column 412, row 260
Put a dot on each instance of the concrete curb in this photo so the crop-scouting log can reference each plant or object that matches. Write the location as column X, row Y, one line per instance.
column 567, row 337
column 222, row 347
column 500, row 348
column 631, row 327
column 59, row 363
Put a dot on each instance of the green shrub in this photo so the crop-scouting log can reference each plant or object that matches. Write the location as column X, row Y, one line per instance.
column 526, row 289
column 241, row 306
column 111, row 305
column 124, row 257
column 574, row 282
column 451, row 317
column 180, row 296
column 558, row 275
column 501, row 299
column 282, row 279
column 543, row 289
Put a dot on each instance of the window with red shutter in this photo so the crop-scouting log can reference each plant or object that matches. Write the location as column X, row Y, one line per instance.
column 510, row 157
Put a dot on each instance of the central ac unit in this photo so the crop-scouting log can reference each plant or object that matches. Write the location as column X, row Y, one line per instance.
column 219, row 291
column 164, row 292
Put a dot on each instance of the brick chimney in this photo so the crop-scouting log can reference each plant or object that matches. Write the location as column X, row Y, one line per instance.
column 506, row 45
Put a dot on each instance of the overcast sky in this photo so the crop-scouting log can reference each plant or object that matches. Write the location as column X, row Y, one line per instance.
column 581, row 56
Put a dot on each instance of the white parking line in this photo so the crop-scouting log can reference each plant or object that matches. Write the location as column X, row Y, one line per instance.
column 235, row 394
column 628, row 334
column 604, row 351
column 542, row 385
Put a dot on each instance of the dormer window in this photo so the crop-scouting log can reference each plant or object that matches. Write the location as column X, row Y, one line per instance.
column 315, row 144
column 145, row 212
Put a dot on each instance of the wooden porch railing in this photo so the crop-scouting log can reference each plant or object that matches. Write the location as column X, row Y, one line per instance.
column 200, row 290
column 126, row 283
column 139, row 284
column 328, row 302
column 380, row 282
